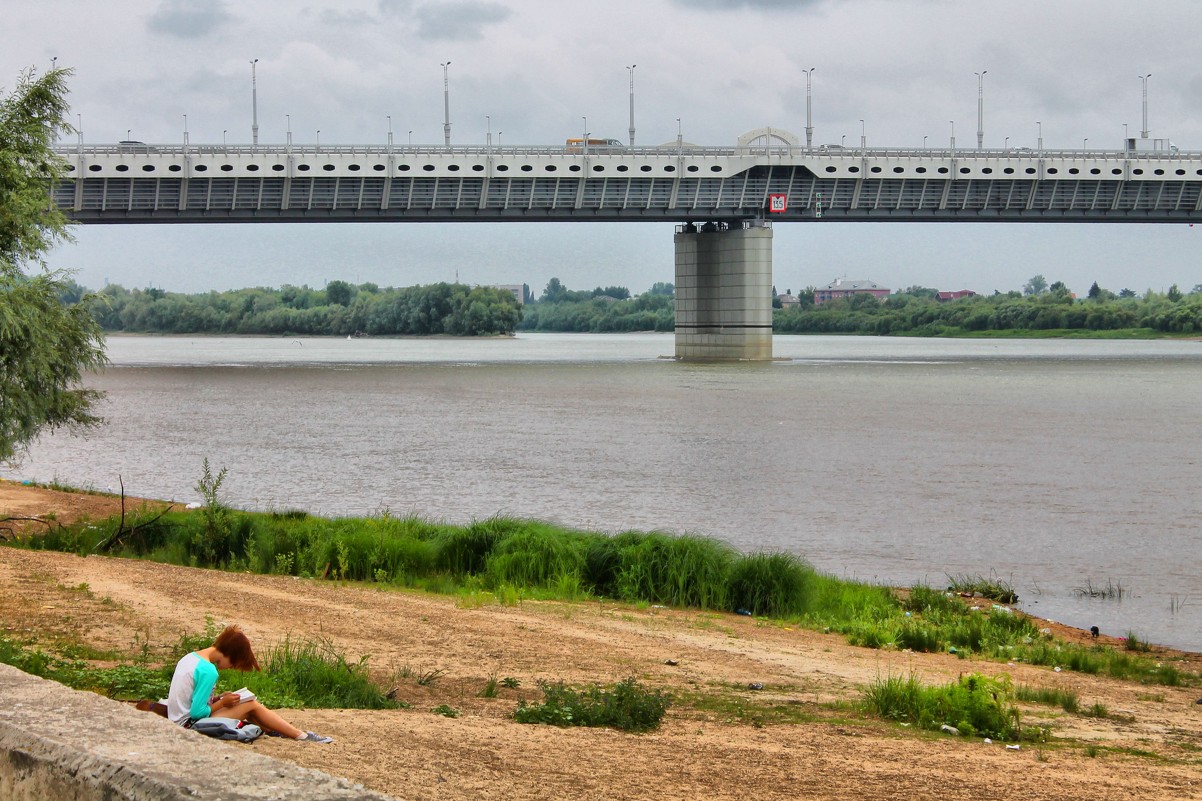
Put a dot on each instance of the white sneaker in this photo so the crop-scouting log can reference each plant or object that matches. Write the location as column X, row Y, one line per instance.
column 313, row 737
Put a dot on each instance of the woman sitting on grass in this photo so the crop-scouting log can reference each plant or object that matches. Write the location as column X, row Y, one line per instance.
column 191, row 698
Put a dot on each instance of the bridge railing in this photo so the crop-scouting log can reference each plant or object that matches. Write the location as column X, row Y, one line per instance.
column 690, row 151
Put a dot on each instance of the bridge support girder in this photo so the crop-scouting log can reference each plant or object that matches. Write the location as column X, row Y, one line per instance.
column 724, row 291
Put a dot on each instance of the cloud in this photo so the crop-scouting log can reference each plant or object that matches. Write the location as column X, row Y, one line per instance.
column 463, row 20
column 189, row 19
column 735, row 5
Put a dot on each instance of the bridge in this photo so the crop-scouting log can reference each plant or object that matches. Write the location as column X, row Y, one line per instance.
column 724, row 198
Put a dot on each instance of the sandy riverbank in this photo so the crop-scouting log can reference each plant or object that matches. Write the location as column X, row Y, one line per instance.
column 1150, row 748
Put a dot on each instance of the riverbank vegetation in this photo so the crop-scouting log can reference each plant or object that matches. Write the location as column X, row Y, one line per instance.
column 341, row 309
column 507, row 561
column 1052, row 312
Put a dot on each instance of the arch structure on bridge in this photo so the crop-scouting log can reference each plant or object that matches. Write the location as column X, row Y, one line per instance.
column 720, row 197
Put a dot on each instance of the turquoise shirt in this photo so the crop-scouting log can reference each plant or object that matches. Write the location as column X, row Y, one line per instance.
column 191, row 688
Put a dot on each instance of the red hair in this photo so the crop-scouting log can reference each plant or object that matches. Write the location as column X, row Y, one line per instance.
column 233, row 644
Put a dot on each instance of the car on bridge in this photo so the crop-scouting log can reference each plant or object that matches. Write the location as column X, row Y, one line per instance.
column 133, row 146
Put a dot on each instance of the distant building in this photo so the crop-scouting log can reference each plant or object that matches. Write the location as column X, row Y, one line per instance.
column 845, row 288
column 788, row 301
column 943, row 297
column 518, row 290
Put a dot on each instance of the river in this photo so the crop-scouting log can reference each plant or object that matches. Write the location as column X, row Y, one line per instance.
column 1054, row 464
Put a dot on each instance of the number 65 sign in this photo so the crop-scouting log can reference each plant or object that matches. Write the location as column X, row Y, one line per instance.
column 778, row 203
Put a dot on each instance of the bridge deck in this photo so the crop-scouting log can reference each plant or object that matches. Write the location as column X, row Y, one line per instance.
column 157, row 184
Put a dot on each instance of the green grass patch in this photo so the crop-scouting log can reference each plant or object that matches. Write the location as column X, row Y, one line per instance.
column 627, row 706
column 974, row 705
column 1048, row 696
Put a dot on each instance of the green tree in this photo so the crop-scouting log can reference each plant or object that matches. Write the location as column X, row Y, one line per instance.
column 339, row 292
column 1095, row 291
column 1174, row 294
column 1036, row 286
column 45, row 345
column 1126, row 293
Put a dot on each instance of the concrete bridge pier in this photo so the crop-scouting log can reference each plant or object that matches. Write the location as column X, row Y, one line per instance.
column 724, row 291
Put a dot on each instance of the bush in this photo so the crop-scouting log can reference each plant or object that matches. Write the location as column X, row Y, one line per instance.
column 975, row 704
column 771, row 584
column 627, row 706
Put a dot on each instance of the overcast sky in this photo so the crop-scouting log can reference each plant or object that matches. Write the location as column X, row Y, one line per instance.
column 532, row 69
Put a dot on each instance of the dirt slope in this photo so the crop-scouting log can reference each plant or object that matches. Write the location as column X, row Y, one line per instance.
column 1150, row 749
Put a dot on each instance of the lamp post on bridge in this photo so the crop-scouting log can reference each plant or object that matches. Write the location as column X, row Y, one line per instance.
column 980, row 108
column 630, row 69
column 1085, row 144
column 488, row 131
column 446, row 105
column 254, row 105
column 288, row 120
column 809, row 120
column 1143, row 134
column 1039, row 142
column 924, row 142
column 953, row 124
column 318, row 140
column 863, row 136
column 389, row 133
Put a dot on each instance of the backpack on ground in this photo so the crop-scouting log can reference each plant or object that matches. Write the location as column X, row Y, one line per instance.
column 228, row 729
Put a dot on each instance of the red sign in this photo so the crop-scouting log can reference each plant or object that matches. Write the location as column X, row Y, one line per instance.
column 778, row 204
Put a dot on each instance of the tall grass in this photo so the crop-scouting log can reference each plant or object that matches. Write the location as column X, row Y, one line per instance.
column 516, row 559
column 974, row 704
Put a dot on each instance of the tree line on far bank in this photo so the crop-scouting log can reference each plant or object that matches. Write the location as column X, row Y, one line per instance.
column 343, row 309
column 1039, row 307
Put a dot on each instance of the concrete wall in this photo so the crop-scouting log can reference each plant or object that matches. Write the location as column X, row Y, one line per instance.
column 57, row 744
column 724, row 294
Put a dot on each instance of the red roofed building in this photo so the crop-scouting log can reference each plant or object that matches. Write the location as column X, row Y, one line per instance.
column 943, row 297
column 845, row 288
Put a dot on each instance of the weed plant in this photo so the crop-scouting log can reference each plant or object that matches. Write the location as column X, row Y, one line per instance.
column 992, row 587
column 627, row 706
column 1048, row 696
column 975, row 705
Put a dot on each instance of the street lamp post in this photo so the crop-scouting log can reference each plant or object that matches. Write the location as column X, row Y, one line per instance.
column 185, row 133
column 411, row 139
column 809, row 120
column 488, row 131
column 953, row 124
column 1039, row 143
column 630, row 69
column 319, row 141
column 863, row 136
column 1143, row 134
column 1085, row 144
column 446, row 105
column 288, row 119
column 1006, row 145
column 389, row 133
column 254, row 104
column 980, row 108
column 586, row 132
column 223, row 139
column 842, row 140
column 924, row 142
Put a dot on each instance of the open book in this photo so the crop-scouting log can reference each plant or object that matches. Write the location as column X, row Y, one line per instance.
column 245, row 695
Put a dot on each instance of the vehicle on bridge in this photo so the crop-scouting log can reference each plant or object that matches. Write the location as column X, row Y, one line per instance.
column 579, row 144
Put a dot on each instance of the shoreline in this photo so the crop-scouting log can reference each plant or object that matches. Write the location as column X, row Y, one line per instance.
column 68, row 505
